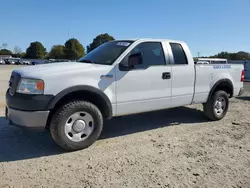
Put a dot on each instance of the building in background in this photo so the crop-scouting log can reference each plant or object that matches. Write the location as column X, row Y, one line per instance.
column 5, row 56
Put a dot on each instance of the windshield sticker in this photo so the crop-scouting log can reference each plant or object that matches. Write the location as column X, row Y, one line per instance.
column 123, row 44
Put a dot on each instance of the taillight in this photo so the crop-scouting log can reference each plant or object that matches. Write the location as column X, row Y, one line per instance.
column 242, row 76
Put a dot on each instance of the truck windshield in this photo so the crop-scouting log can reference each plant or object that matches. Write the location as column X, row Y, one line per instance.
column 107, row 53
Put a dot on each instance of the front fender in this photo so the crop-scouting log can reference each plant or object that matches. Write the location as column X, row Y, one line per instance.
column 84, row 88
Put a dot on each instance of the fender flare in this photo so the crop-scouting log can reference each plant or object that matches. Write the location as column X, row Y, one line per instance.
column 226, row 81
column 84, row 88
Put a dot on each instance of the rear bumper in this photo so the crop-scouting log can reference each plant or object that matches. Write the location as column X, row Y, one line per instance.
column 241, row 91
column 30, row 119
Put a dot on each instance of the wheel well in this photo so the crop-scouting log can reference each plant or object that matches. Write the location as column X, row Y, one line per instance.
column 226, row 86
column 89, row 96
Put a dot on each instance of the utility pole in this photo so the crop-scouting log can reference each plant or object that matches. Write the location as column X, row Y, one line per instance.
column 198, row 54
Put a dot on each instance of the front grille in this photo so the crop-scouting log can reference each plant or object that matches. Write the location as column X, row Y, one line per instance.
column 13, row 82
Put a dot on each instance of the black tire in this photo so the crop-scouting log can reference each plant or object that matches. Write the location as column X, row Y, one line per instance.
column 210, row 106
column 63, row 113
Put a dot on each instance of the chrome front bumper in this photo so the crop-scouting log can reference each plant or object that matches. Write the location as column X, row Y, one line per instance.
column 31, row 119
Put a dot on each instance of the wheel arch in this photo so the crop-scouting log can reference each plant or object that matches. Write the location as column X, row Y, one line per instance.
column 88, row 93
column 224, row 85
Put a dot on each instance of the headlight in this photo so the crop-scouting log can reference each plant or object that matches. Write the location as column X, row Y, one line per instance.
column 30, row 86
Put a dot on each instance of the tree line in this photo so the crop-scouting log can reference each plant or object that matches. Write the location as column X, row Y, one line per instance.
column 233, row 56
column 72, row 49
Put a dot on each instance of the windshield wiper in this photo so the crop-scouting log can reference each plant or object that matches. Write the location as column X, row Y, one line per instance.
column 88, row 61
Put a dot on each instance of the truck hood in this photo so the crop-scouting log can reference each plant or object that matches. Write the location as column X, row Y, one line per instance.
column 54, row 69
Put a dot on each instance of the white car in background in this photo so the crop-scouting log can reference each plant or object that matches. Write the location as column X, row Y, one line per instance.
column 26, row 63
column 2, row 62
column 10, row 62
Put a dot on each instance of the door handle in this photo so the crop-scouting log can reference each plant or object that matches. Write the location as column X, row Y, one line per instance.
column 166, row 75
column 107, row 76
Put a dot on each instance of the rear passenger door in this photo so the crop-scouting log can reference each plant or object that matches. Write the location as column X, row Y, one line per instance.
column 183, row 75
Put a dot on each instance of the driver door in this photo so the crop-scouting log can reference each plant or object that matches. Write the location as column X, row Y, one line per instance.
column 147, row 86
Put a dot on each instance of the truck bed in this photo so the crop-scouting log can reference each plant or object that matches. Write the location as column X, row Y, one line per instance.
column 208, row 75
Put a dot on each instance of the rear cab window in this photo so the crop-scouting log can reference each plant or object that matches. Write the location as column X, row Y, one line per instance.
column 179, row 55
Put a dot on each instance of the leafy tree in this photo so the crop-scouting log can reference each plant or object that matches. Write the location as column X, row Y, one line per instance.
column 23, row 54
column 36, row 50
column 242, row 55
column 100, row 39
column 73, row 49
column 233, row 56
column 5, row 52
column 56, row 52
column 222, row 55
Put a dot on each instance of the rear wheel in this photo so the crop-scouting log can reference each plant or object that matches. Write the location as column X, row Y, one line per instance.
column 76, row 125
column 217, row 106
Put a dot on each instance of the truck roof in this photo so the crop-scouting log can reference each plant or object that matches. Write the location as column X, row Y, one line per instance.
column 153, row 39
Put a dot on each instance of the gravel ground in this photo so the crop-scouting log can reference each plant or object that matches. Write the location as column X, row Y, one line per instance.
column 169, row 148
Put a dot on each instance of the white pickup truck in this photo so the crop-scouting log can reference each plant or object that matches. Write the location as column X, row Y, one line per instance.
column 118, row 78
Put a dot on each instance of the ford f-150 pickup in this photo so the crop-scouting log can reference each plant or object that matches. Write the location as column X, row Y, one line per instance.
column 120, row 77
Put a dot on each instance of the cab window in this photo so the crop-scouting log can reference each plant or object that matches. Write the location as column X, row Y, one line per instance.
column 152, row 54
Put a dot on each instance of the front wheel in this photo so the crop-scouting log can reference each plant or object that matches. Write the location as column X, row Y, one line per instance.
column 76, row 125
column 217, row 106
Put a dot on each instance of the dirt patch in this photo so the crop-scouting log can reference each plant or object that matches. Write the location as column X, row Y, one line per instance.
column 171, row 148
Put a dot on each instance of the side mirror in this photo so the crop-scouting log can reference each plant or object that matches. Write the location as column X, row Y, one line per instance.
column 135, row 59
column 131, row 62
